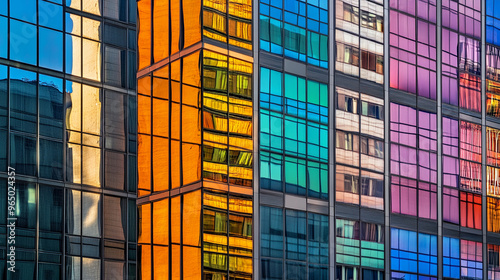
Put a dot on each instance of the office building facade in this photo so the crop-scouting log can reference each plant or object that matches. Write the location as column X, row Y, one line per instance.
column 68, row 125
column 306, row 139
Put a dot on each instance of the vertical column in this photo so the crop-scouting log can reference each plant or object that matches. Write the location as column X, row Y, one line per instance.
column 439, row 141
column 256, row 152
column 483, row 139
column 331, row 136
column 387, row 178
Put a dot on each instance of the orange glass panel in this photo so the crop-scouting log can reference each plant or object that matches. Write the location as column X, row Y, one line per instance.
column 144, row 114
column 191, row 163
column 160, row 255
column 215, row 200
column 160, row 117
column 144, row 33
column 161, row 87
column 191, row 124
column 160, row 164
column 144, row 164
column 175, row 163
column 241, row 205
column 175, row 18
column 144, row 85
column 176, row 262
column 160, row 222
column 145, row 261
column 192, row 22
column 191, row 218
column 144, row 223
column 91, row 166
column 191, row 96
column 175, row 123
column 191, row 262
column 191, row 74
column 160, row 30
column 493, row 215
column 175, row 217
column 91, row 110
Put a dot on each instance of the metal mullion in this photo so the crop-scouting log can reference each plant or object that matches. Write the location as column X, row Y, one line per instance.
column 484, row 200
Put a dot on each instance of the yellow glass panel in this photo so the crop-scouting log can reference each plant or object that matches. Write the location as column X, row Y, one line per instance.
column 240, row 44
column 191, row 218
column 493, row 215
column 175, row 19
column 161, row 88
column 160, row 117
column 74, row 55
column 191, row 163
column 91, row 28
column 240, row 264
column 175, row 163
column 213, row 121
column 74, row 109
column 144, row 223
column 176, row 262
column 240, row 65
column 160, row 164
column 215, row 101
column 74, row 137
column 160, row 222
column 241, row 205
column 91, row 110
column 216, row 138
column 91, row 60
column 214, row 21
column 175, row 123
column 241, row 142
column 144, row 164
column 175, row 217
column 191, row 125
column 240, row 246
column 191, row 96
column 144, row 85
column 240, row 126
column 214, row 59
column 241, row 8
column 240, row 106
column 144, row 114
column 145, row 261
column 91, row 166
column 214, row 167
column 215, row 243
column 214, row 36
column 91, row 140
column 160, row 30
column 92, row 6
column 160, row 255
column 76, row 25
column 215, row 200
column 192, row 22
column 191, row 262
column 74, row 163
column 144, row 33
column 240, row 172
column 219, row 5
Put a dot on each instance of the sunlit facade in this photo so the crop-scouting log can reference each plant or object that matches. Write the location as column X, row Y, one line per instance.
column 195, row 126
column 68, row 127
column 310, row 139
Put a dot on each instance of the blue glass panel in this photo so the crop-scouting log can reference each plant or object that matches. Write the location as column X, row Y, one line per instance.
column 51, row 49
column 4, row 37
column 3, row 97
column 51, row 106
column 50, row 15
column 296, row 232
column 3, row 8
column 23, row 9
column 23, row 44
column 23, row 105
column 3, row 150
column 271, row 269
column 23, row 154
column 271, row 232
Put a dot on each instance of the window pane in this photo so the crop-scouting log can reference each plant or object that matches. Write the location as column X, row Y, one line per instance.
column 23, row 45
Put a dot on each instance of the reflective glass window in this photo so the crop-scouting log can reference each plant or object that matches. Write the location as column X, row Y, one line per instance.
column 23, row 41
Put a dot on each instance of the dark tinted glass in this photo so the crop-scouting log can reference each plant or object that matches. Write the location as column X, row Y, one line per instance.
column 23, row 100
column 23, row 154
column 51, row 106
column 51, row 159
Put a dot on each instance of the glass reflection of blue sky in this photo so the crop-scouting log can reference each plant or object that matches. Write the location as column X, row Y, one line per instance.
column 50, row 15
column 51, row 49
column 23, row 42
column 3, row 37
column 3, row 8
column 23, row 9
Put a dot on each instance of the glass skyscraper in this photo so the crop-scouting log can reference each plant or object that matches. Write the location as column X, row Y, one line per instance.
column 68, row 124
column 310, row 139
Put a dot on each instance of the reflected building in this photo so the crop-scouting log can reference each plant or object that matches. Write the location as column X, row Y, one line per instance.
column 68, row 126
column 306, row 139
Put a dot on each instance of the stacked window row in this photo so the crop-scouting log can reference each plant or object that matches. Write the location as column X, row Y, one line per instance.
column 492, row 58
column 297, row 29
column 293, row 134
column 90, row 230
column 294, row 244
column 359, row 244
column 359, row 149
column 359, row 39
column 61, row 39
